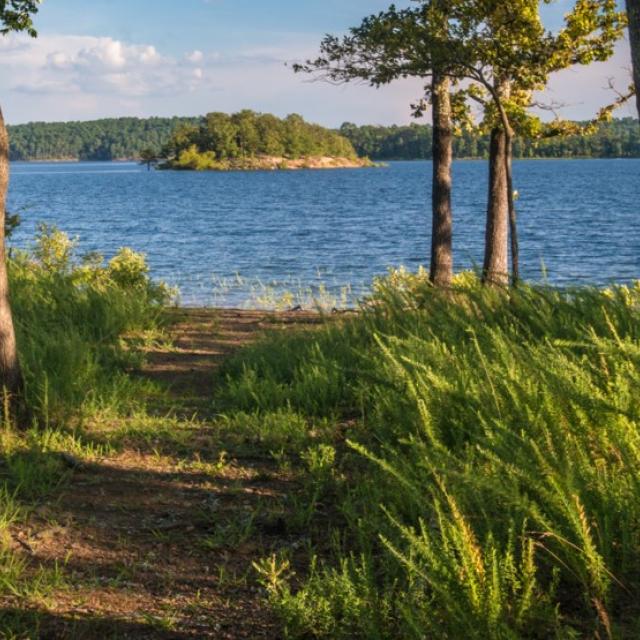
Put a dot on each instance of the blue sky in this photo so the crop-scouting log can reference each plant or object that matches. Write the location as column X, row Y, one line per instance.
column 103, row 58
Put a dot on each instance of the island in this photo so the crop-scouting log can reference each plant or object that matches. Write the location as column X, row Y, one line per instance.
column 253, row 141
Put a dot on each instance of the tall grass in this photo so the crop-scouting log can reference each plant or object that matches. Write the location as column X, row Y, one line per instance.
column 490, row 482
column 71, row 314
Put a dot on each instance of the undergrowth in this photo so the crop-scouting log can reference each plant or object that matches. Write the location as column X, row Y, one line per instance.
column 75, row 318
column 71, row 312
column 481, row 476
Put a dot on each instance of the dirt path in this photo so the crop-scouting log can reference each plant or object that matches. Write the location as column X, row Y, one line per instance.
column 201, row 340
column 156, row 540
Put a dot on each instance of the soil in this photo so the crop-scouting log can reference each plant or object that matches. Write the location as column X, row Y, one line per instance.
column 139, row 535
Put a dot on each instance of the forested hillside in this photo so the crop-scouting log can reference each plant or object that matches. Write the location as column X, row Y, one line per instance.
column 617, row 139
column 109, row 139
column 120, row 138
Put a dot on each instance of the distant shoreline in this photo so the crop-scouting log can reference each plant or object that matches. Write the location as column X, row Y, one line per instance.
column 361, row 163
column 275, row 163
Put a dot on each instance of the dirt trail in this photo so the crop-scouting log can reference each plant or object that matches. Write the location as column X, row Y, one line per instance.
column 150, row 540
column 202, row 339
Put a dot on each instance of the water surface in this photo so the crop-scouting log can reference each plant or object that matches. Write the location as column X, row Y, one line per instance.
column 578, row 221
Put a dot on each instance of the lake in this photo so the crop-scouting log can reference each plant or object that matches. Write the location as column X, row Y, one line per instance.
column 232, row 239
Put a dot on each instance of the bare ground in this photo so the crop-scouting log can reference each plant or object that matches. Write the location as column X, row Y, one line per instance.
column 149, row 542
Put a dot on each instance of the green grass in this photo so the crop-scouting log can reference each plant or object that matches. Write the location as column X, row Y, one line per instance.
column 485, row 483
column 72, row 315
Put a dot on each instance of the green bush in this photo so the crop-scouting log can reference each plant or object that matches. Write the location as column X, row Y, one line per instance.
column 71, row 314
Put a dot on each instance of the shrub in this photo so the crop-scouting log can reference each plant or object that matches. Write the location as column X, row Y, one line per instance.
column 71, row 313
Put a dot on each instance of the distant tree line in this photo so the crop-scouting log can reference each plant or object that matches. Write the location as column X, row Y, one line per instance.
column 619, row 138
column 108, row 139
column 249, row 134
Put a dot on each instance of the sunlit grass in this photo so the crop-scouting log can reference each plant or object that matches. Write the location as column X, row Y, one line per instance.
column 280, row 295
column 486, row 484
column 452, row 464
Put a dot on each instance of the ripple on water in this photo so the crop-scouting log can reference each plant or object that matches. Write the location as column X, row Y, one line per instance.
column 578, row 219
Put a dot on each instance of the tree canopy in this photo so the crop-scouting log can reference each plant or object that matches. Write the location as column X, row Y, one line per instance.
column 107, row 139
column 619, row 138
column 486, row 42
column 17, row 15
column 222, row 138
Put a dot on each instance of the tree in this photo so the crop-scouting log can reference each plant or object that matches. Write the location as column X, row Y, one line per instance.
column 617, row 138
column 248, row 136
column 148, row 157
column 224, row 141
column 503, row 49
column 220, row 134
column 633, row 14
column 396, row 44
column 15, row 15
column 271, row 136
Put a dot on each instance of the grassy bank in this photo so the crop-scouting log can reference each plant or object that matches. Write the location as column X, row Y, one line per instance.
column 72, row 313
column 466, row 463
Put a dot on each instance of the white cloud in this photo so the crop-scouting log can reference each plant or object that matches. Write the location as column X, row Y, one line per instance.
column 81, row 65
column 80, row 77
column 195, row 56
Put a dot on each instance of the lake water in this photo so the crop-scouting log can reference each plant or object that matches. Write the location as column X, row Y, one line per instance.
column 227, row 238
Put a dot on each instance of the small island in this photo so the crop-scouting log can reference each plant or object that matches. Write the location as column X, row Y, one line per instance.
column 249, row 141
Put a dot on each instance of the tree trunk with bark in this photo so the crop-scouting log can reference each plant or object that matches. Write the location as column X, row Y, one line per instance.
column 513, row 219
column 496, row 254
column 633, row 11
column 11, row 381
column 441, row 272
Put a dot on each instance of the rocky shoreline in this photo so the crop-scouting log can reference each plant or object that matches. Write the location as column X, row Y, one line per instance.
column 275, row 163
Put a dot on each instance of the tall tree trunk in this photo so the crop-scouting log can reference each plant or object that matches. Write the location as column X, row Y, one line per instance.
column 441, row 272
column 496, row 252
column 11, row 382
column 633, row 11
column 513, row 219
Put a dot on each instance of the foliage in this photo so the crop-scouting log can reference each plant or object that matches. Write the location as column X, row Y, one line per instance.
column 616, row 139
column 71, row 313
column 102, row 141
column 223, row 141
column 192, row 159
column 148, row 157
column 502, row 51
column 16, row 15
column 488, row 486
column 108, row 139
